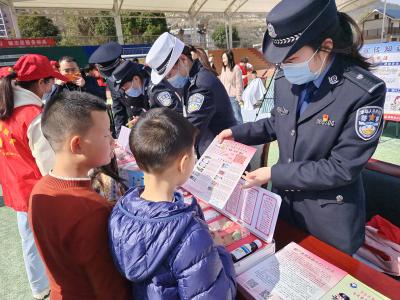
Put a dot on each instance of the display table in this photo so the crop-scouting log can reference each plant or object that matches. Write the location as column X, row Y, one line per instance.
column 286, row 233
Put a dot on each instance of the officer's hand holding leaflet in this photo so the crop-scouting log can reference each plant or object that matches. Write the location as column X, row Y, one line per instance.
column 225, row 135
column 257, row 177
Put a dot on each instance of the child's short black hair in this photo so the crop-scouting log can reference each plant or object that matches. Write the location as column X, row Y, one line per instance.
column 254, row 72
column 69, row 113
column 159, row 137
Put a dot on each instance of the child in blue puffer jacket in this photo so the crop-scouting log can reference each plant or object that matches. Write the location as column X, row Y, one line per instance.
column 158, row 242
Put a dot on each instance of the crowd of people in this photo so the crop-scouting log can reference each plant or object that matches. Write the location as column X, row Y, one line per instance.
column 56, row 115
column 57, row 140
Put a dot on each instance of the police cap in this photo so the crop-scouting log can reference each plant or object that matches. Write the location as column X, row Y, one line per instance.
column 163, row 55
column 125, row 72
column 106, row 57
column 293, row 24
column 106, row 53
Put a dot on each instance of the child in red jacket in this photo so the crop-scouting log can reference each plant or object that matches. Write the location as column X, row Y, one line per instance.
column 24, row 152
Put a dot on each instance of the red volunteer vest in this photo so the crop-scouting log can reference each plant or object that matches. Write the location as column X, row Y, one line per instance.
column 18, row 172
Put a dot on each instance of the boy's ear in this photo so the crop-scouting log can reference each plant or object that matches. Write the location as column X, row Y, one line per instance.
column 75, row 144
column 183, row 163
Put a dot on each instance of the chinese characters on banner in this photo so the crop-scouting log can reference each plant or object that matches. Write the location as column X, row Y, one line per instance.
column 385, row 58
column 29, row 42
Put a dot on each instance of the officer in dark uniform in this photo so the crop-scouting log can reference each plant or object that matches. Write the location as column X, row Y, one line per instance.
column 164, row 94
column 327, row 120
column 107, row 57
column 133, row 80
column 197, row 92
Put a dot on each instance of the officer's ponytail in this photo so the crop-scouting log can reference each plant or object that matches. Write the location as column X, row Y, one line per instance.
column 7, row 96
column 347, row 40
column 203, row 58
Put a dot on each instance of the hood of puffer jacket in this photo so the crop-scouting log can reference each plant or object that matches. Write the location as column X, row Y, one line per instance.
column 25, row 97
column 143, row 233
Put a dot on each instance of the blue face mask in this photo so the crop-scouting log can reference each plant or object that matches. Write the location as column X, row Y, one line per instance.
column 300, row 73
column 178, row 81
column 132, row 92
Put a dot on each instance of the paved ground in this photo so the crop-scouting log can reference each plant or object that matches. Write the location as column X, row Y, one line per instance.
column 13, row 282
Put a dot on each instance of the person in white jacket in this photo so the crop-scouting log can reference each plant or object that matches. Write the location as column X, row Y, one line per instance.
column 25, row 154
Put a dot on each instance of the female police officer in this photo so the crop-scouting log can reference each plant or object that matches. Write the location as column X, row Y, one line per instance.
column 202, row 97
column 327, row 120
column 133, row 80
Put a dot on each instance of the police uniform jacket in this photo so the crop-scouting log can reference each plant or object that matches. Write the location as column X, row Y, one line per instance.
column 125, row 107
column 164, row 94
column 118, row 108
column 205, row 104
column 322, row 153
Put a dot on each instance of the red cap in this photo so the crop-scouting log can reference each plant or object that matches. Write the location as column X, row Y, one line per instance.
column 35, row 66
column 54, row 63
column 4, row 71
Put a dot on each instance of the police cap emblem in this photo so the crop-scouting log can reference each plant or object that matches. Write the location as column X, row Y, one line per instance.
column 271, row 31
column 164, row 98
column 195, row 102
column 368, row 120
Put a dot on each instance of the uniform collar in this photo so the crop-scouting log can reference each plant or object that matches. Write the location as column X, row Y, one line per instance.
column 334, row 74
column 195, row 68
column 324, row 95
column 317, row 82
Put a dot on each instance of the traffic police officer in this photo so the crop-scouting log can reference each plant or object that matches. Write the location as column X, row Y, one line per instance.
column 107, row 57
column 197, row 91
column 133, row 80
column 327, row 120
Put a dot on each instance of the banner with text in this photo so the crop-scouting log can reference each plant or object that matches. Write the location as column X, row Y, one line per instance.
column 385, row 58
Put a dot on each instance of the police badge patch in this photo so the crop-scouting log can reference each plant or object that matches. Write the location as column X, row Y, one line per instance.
column 164, row 98
column 368, row 120
column 195, row 102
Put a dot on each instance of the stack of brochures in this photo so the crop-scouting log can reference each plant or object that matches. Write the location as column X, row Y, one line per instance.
column 296, row 273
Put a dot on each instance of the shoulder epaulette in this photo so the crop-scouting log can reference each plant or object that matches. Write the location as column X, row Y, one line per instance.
column 363, row 78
